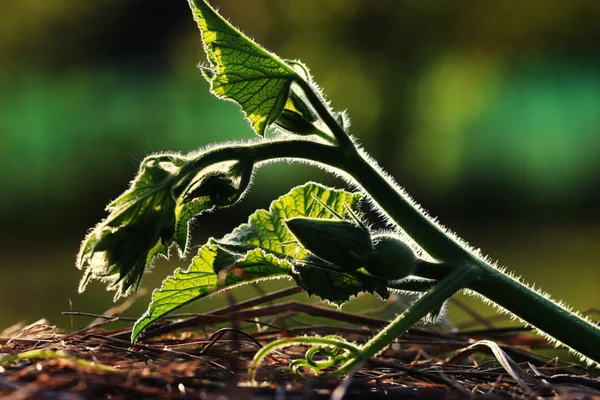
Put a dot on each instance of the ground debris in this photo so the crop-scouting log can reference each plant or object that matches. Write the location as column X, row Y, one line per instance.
column 209, row 360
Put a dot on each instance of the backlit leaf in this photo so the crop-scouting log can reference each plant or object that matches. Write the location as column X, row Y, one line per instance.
column 267, row 230
column 261, row 249
column 139, row 227
column 241, row 70
column 337, row 287
column 181, row 288
column 211, row 271
column 148, row 218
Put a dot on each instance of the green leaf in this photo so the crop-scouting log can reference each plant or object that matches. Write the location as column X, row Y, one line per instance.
column 211, row 271
column 241, row 70
column 139, row 227
column 267, row 230
column 256, row 264
column 337, row 287
column 181, row 288
column 148, row 218
column 263, row 249
column 184, row 213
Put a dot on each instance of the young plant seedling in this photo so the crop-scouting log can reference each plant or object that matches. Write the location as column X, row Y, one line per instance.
column 170, row 189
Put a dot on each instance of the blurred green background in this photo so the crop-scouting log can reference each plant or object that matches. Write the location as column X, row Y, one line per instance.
column 488, row 113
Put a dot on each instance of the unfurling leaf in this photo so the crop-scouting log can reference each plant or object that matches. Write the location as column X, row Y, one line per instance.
column 220, row 185
column 241, row 70
column 291, row 121
column 148, row 218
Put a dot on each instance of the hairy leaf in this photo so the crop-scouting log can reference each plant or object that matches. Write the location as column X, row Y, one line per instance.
column 256, row 264
column 263, row 248
column 267, row 230
column 336, row 287
column 148, row 218
column 181, row 288
column 212, row 270
column 139, row 227
column 241, row 70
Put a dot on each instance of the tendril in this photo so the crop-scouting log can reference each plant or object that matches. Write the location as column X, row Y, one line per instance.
column 326, row 352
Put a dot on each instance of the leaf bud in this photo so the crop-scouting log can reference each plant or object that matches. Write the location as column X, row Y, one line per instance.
column 341, row 242
column 293, row 122
column 297, row 116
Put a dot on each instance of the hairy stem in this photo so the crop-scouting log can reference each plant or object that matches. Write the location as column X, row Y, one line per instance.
column 446, row 287
column 401, row 210
column 554, row 321
column 257, row 152
column 549, row 317
column 324, row 113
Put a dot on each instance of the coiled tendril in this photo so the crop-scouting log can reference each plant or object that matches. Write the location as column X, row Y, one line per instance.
column 326, row 352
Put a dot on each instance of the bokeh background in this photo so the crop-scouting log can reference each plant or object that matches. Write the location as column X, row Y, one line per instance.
column 488, row 113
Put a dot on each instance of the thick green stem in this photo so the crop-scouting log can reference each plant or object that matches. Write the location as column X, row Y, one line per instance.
column 449, row 285
column 537, row 310
column 256, row 152
column 552, row 319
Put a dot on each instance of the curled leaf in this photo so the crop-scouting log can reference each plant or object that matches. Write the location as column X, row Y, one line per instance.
column 220, row 185
column 140, row 226
column 149, row 217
